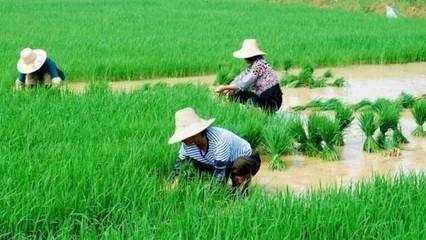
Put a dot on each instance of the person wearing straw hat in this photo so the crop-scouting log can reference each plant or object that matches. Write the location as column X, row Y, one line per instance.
column 212, row 149
column 258, row 84
column 36, row 68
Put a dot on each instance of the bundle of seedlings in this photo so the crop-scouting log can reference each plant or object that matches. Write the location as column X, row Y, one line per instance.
column 297, row 127
column 406, row 100
column 368, row 124
column 278, row 141
column 390, row 136
column 419, row 112
column 323, row 135
column 250, row 130
column 363, row 105
column 226, row 74
column 320, row 105
column 306, row 78
column 344, row 115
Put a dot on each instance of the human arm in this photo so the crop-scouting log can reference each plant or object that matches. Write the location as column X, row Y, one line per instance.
column 20, row 81
column 52, row 70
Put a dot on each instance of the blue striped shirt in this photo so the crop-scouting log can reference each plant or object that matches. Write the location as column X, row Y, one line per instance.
column 223, row 148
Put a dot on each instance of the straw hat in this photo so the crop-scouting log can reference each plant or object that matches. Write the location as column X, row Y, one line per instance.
column 188, row 124
column 31, row 60
column 249, row 49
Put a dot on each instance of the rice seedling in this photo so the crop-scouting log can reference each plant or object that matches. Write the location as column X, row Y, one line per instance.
column 338, row 82
column 318, row 83
column 363, row 105
column 368, row 124
column 226, row 74
column 278, row 141
column 419, row 113
column 94, row 166
column 287, row 65
column 390, row 133
column 251, row 130
column 406, row 100
column 344, row 116
column 323, row 133
column 290, row 81
column 306, row 75
column 298, row 131
column 327, row 74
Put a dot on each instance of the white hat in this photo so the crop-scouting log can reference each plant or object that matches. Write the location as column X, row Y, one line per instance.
column 31, row 60
column 188, row 124
column 249, row 49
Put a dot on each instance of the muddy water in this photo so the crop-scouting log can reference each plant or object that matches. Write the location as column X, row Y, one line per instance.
column 304, row 173
column 363, row 82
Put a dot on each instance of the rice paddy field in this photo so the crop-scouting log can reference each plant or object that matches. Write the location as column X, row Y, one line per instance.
column 91, row 160
column 121, row 40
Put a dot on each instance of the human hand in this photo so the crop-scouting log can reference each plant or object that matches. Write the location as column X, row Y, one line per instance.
column 57, row 81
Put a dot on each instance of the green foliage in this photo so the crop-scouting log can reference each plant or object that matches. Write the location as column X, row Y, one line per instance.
column 298, row 131
column 226, row 74
column 344, row 116
column 390, row 136
column 278, row 141
column 338, row 82
column 406, row 100
column 327, row 74
column 419, row 112
column 287, row 64
column 323, row 135
column 368, row 124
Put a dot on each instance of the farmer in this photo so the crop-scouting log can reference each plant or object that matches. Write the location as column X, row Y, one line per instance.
column 212, row 149
column 258, row 84
column 35, row 68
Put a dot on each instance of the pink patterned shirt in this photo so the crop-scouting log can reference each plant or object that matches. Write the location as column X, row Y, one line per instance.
column 258, row 77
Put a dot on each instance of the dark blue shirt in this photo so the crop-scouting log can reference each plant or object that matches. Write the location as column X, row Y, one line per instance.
column 50, row 67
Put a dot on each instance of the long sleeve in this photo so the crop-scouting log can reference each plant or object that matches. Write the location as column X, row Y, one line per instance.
column 221, row 157
column 21, row 78
column 244, row 81
column 52, row 68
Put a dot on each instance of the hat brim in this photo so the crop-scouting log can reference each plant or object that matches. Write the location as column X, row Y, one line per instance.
column 24, row 68
column 184, row 133
column 242, row 54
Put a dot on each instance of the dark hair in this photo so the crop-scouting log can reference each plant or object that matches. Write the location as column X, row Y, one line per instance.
column 252, row 59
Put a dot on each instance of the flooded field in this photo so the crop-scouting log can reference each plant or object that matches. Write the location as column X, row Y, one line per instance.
column 363, row 82
column 305, row 173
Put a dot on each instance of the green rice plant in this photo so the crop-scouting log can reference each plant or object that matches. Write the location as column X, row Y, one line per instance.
column 389, row 115
column 327, row 74
column 322, row 137
column 290, row 81
column 318, row 83
column 226, row 74
column 297, row 127
column 251, row 130
column 338, row 82
column 287, row 64
column 419, row 113
column 381, row 103
column 306, row 75
column 278, row 140
column 344, row 116
column 368, row 124
column 406, row 100
column 363, row 105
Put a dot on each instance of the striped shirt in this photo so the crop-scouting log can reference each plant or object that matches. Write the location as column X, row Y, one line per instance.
column 223, row 148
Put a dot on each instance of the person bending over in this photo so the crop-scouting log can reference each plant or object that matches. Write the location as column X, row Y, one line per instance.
column 35, row 68
column 213, row 150
column 258, row 84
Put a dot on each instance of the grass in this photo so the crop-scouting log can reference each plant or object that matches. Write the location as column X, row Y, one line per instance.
column 390, row 136
column 306, row 78
column 278, row 141
column 116, row 40
column 226, row 74
column 404, row 8
column 93, row 166
column 344, row 116
column 419, row 113
column 369, row 125
column 323, row 137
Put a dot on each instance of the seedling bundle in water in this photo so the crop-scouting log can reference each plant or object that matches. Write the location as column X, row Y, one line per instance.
column 368, row 124
column 419, row 112
column 323, row 137
column 390, row 136
column 344, row 116
column 305, row 78
column 278, row 141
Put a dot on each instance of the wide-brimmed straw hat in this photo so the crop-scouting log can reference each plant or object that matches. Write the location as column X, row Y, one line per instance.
column 31, row 60
column 188, row 124
column 249, row 49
